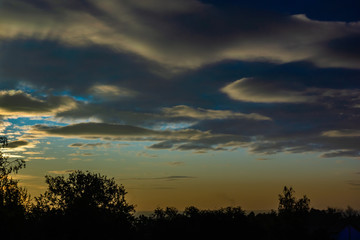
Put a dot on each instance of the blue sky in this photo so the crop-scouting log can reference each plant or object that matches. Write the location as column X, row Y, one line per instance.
column 208, row 103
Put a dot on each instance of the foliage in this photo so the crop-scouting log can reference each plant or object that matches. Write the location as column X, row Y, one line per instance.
column 13, row 199
column 83, row 192
column 289, row 204
column 7, row 167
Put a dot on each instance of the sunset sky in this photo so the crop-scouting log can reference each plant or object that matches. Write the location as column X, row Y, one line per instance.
column 186, row 102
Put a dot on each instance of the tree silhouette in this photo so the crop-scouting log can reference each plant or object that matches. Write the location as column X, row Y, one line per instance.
column 83, row 205
column 6, row 166
column 14, row 200
column 289, row 204
column 84, row 191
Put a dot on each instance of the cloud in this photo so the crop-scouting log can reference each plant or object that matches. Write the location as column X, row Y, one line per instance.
column 179, row 116
column 174, row 178
column 180, row 39
column 18, row 143
column 182, row 111
column 14, row 156
column 303, row 132
column 32, row 153
column 111, row 91
column 176, row 163
column 247, row 90
column 162, row 145
column 4, row 125
column 108, row 113
column 145, row 154
column 274, row 91
column 41, row 158
column 81, row 154
column 185, row 139
column 110, row 131
column 87, row 154
column 167, row 178
column 19, row 103
column 342, row 133
column 354, row 183
column 61, row 171
column 25, row 177
column 89, row 145
column 293, row 79
column 199, row 147
column 94, row 130
column 341, row 153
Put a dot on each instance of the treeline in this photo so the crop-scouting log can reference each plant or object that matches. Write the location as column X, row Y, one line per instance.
column 87, row 205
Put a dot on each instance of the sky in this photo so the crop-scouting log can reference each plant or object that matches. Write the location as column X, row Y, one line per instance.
column 186, row 103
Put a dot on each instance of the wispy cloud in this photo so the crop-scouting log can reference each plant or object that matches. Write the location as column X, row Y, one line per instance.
column 182, row 111
column 167, row 178
column 176, row 163
column 85, row 146
column 265, row 91
column 26, row 177
column 354, row 183
column 123, row 26
column 341, row 153
column 111, row 91
column 146, row 154
column 41, row 158
column 342, row 133
column 59, row 172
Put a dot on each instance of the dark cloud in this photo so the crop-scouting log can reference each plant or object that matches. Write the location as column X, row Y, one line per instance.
column 341, row 153
column 18, row 102
column 93, row 130
column 162, row 145
column 88, row 145
column 220, row 77
column 346, row 47
column 186, row 35
column 172, row 178
column 50, row 66
column 182, row 139
column 18, row 143
column 197, row 146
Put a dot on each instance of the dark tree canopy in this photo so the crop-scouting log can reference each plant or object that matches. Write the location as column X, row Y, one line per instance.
column 84, row 192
